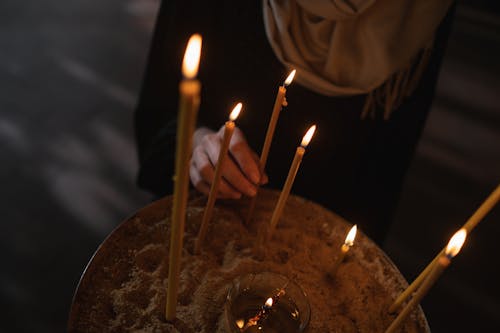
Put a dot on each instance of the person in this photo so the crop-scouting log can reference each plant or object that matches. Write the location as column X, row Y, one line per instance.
column 366, row 74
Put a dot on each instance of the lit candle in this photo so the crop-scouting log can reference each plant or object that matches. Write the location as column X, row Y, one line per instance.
column 253, row 321
column 207, row 215
column 262, row 314
column 348, row 243
column 257, row 303
column 279, row 102
column 454, row 246
column 189, row 90
column 473, row 221
column 299, row 153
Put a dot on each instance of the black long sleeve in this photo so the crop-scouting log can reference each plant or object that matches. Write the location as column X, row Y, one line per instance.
column 156, row 113
column 356, row 168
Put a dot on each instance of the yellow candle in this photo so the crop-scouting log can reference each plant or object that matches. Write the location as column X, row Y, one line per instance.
column 348, row 243
column 207, row 215
column 279, row 102
column 299, row 153
column 484, row 209
column 473, row 221
column 189, row 90
column 443, row 261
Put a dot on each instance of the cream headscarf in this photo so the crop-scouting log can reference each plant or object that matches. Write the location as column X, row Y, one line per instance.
column 351, row 47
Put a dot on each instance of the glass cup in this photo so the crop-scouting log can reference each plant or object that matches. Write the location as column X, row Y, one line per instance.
column 266, row 303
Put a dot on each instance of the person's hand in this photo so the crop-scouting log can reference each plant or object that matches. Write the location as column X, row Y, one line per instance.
column 240, row 170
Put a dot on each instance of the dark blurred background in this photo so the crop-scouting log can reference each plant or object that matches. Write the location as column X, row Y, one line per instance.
column 70, row 72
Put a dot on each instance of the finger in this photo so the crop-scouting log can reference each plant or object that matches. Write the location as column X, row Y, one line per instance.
column 234, row 176
column 231, row 194
column 243, row 155
column 197, row 180
column 232, row 173
column 263, row 176
column 265, row 179
column 226, row 191
column 204, row 167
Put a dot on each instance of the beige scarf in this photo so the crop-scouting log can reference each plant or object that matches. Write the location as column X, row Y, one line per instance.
column 352, row 47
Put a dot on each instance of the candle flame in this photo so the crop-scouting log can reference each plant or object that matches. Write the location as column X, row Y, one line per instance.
column 456, row 242
column 191, row 60
column 240, row 323
column 269, row 302
column 290, row 77
column 349, row 240
column 308, row 136
column 236, row 112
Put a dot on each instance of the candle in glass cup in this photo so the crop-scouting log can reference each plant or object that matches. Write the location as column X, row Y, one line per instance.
column 266, row 302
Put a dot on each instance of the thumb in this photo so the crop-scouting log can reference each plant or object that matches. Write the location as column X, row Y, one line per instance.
column 244, row 156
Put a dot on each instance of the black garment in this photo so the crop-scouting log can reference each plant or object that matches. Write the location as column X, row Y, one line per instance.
column 352, row 167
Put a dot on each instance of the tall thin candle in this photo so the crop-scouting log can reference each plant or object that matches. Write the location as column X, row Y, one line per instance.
column 207, row 215
column 454, row 246
column 299, row 153
column 279, row 102
column 189, row 89
column 471, row 223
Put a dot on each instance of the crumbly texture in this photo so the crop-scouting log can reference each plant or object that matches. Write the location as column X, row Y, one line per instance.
column 124, row 286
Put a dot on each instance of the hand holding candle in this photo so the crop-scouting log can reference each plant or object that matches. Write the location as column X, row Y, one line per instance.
column 240, row 173
column 278, row 210
column 454, row 246
column 279, row 102
column 228, row 132
column 348, row 243
column 189, row 90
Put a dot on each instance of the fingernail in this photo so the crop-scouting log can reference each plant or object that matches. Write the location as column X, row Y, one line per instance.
column 254, row 177
column 237, row 196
